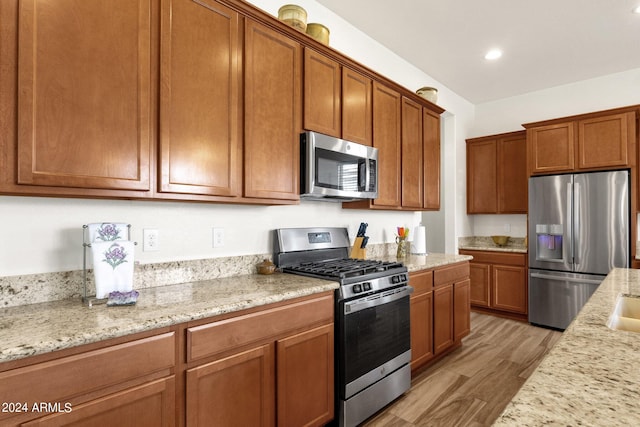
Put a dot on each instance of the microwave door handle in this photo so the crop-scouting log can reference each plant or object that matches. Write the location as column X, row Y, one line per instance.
column 367, row 172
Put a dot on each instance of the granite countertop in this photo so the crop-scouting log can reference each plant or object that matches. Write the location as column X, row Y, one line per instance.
column 591, row 376
column 28, row 330
column 44, row 327
column 485, row 243
column 432, row 260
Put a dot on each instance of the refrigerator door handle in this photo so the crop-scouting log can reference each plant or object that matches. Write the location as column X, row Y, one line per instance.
column 570, row 222
column 576, row 243
column 565, row 279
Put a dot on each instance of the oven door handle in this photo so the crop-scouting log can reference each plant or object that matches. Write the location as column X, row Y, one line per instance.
column 376, row 299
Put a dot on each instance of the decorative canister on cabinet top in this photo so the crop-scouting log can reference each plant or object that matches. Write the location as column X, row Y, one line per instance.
column 319, row 32
column 293, row 15
column 428, row 93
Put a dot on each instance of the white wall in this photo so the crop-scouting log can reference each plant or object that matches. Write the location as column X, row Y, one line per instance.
column 44, row 234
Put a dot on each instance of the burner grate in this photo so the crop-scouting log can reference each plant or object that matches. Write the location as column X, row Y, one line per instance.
column 344, row 268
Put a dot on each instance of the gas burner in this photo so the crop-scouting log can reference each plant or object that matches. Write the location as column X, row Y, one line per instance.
column 344, row 268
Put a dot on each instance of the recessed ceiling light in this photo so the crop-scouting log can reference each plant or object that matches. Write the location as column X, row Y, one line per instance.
column 493, row 54
column 636, row 9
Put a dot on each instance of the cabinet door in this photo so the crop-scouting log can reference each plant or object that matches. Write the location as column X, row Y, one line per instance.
column 512, row 175
column 509, row 288
column 442, row 318
column 84, row 94
column 421, row 329
column 235, row 391
column 305, row 378
column 605, row 141
column 200, row 99
column 551, row 148
column 356, row 107
column 482, row 194
column 480, row 275
column 461, row 309
column 386, row 138
column 412, row 157
column 149, row 405
column 431, row 159
column 322, row 82
column 273, row 80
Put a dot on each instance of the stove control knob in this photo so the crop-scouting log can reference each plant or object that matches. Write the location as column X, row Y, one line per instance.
column 395, row 279
column 366, row 286
column 357, row 288
column 404, row 277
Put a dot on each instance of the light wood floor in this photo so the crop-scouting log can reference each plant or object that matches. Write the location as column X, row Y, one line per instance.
column 472, row 385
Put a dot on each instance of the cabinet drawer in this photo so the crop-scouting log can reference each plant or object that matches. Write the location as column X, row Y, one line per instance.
column 490, row 257
column 450, row 273
column 216, row 337
column 421, row 282
column 61, row 379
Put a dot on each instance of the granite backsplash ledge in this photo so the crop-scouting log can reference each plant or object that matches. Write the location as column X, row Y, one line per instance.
column 46, row 287
column 487, row 242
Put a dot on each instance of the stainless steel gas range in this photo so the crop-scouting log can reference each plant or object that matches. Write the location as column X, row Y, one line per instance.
column 372, row 328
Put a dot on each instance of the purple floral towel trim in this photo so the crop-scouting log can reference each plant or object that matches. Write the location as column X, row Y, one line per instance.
column 108, row 232
column 115, row 255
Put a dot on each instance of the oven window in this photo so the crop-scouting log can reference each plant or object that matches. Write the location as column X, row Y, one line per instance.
column 374, row 336
column 336, row 170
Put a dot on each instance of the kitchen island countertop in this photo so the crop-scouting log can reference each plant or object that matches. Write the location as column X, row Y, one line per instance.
column 591, row 376
column 33, row 329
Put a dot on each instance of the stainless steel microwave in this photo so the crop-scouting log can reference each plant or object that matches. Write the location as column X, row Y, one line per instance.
column 333, row 169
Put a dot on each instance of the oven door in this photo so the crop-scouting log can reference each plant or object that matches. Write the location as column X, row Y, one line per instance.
column 375, row 339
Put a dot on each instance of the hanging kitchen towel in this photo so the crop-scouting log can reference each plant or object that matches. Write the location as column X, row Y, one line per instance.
column 112, row 266
column 108, row 231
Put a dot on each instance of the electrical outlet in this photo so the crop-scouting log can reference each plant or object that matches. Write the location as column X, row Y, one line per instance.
column 507, row 228
column 218, row 237
column 150, row 241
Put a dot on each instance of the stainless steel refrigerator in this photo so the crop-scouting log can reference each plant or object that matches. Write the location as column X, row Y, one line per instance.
column 578, row 232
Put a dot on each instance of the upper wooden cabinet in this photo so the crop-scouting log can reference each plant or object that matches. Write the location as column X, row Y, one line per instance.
column 84, row 94
column 412, row 158
column 272, row 108
column 496, row 174
column 322, row 89
column 200, row 115
column 356, row 107
column 387, row 128
column 601, row 140
column 431, row 159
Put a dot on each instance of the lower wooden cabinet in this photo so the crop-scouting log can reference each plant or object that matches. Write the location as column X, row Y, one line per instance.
column 499, row 282
column 213, row 390
column 421, row 307
column 269, row 367
column 130, row 383
column 266, row 366
column 440, row 312
column 149, row 405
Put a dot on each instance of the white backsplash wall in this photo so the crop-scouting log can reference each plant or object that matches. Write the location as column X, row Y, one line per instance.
column 501, row 225
column 42, row 235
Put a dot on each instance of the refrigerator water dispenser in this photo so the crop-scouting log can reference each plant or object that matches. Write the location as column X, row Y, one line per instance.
column 549, row 242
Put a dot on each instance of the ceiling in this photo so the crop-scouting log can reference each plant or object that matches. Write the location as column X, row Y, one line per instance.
column 546, row 43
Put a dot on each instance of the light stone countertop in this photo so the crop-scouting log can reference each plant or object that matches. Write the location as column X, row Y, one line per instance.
column 33, row 329
column 591, row 376
column 485, row 243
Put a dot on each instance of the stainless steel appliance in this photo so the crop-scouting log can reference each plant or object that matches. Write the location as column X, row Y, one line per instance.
column 578, row 232
column 372, row 335
column 333, row 169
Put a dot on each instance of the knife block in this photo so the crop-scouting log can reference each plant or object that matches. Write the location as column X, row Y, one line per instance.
column 356, row 251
